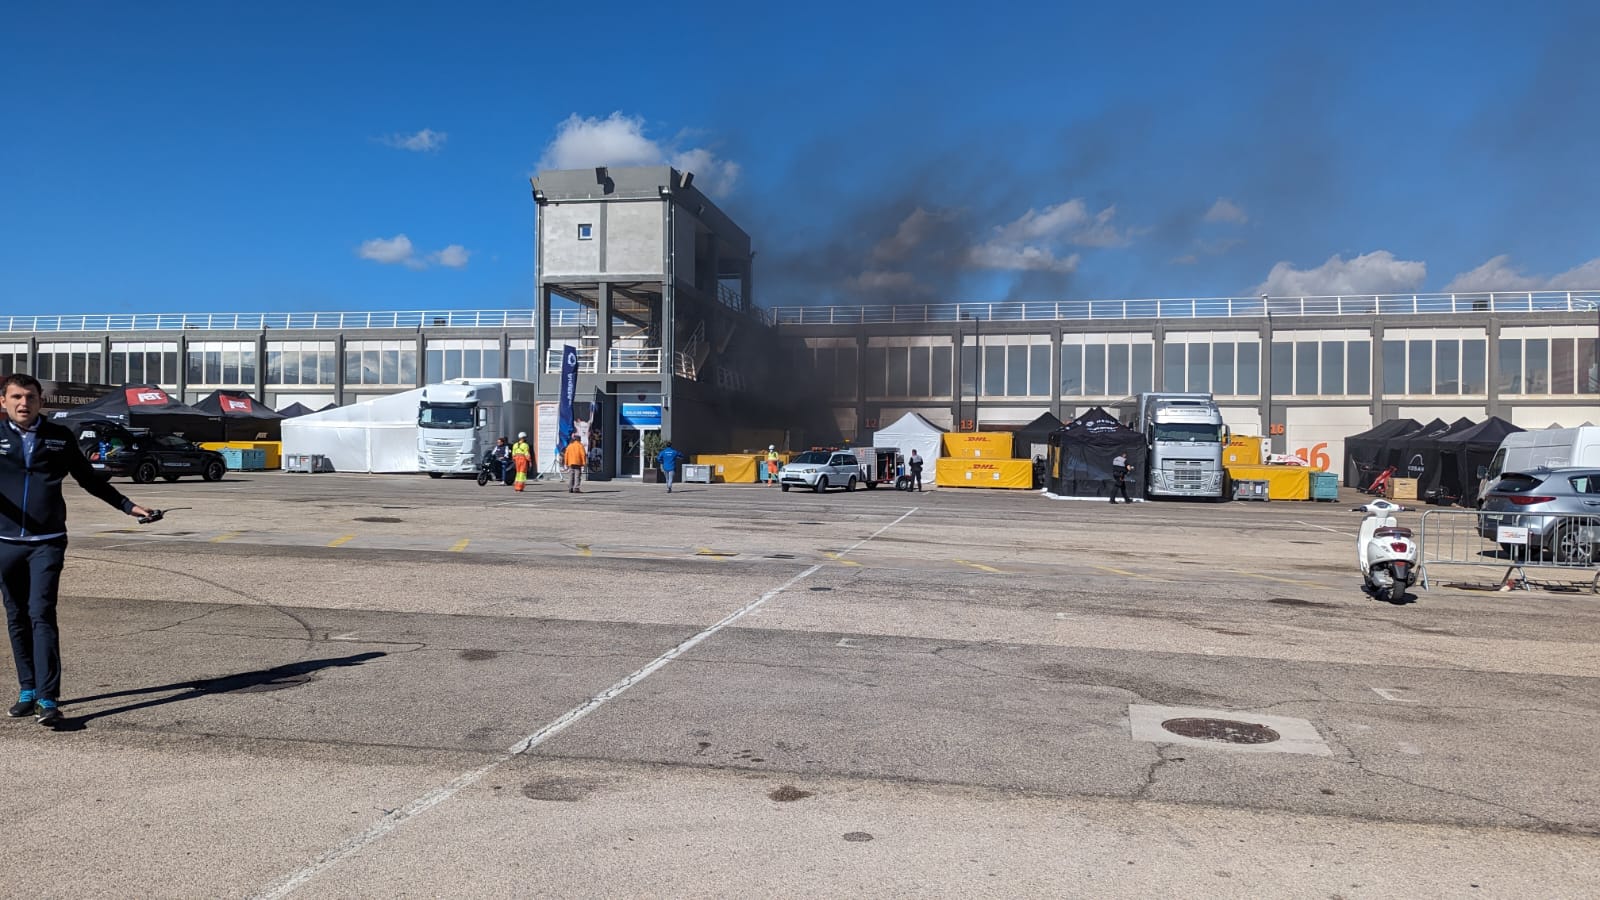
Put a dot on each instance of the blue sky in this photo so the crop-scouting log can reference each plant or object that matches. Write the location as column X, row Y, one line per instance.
column 203, row 156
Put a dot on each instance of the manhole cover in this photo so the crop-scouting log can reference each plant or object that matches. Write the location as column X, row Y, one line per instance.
column 388, row 519
column 1227, row 731
column 857, row 837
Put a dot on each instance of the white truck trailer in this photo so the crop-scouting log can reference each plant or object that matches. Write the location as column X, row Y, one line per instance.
column 458, row 421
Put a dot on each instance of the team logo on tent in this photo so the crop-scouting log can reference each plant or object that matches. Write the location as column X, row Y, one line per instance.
column 147, row 397
column 235, row 404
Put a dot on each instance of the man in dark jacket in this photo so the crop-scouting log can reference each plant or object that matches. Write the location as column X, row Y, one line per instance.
column 35, row 457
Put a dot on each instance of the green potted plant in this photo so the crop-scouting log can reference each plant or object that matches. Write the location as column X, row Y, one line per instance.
column 651, row 444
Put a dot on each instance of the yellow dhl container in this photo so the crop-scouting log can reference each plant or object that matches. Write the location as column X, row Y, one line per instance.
column 1283, row 482
column 979, row 444
column 732, row 468
column 954, row 471
column 1242, row 450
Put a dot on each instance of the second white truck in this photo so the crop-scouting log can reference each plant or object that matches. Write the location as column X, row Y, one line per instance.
column 458, row 421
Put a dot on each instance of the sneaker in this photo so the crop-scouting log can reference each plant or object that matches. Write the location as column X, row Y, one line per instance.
column 49, row 716
column 20, row 708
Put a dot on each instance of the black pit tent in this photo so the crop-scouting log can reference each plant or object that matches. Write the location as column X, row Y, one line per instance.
column 1036, row 432
column 242, row 418
column 144, row 406
column 1364, row 453
column 1079, row 464
column 1462, row 452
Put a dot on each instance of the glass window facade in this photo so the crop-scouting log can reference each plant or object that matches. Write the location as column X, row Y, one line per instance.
column 144, row 363
column 1548, row 366
column 69, row 362
column 220, row 364
column 13, row 359
column 301, row 362
column 463, row 358
column 381, row 363
column 1098, row 366
column 1440, row 367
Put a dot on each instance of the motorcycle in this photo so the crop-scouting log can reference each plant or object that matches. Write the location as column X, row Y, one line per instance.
column 488, row 470
column 1386, row 552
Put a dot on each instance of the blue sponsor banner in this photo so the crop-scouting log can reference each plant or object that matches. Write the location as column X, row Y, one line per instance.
column 569, row 392
column 641, row 415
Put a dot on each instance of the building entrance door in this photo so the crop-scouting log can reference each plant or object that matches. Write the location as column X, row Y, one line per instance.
column 630, row 453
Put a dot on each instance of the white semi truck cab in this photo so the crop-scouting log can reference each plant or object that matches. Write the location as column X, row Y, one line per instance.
column 1185, row 434
column 456, row 425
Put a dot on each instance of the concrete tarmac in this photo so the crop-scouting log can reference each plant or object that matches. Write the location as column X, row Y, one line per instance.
column 340, row 685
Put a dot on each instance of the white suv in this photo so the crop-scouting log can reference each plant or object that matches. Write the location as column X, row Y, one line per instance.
column 822, row 469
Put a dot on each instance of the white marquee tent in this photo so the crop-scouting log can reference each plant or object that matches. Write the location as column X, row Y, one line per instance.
column 913, row 432
column 378, row 435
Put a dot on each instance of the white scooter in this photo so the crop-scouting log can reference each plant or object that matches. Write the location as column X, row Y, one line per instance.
column 1387, row 553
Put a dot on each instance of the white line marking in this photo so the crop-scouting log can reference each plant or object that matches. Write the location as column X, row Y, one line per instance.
column 1389, row 695
column 1326, row 528
column 847, row 643
column 397, row 817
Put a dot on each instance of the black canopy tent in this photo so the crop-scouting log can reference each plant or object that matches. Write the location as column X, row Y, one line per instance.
column 1363, row 453
column 1432, row 484
column 1401, row 451
column 1036, row 432
column 295, row 410
column 242, row 418
column 1464, row 451
column 1079, row 464
column 144, row 406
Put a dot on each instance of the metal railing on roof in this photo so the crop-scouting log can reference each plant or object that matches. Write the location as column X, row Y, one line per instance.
column 1194, row 308
column 407, row 319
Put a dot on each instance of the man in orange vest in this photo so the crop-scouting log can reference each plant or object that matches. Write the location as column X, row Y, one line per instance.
column 576, row 459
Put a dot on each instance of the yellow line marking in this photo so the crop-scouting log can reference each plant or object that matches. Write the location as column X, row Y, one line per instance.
column 1117, row 571
column 341, row 540
column 843, row 562
column 583, row 550
column 980, row 566
column 718, row 555
column 460, row 545
column 226, row 536
column 1275, row 578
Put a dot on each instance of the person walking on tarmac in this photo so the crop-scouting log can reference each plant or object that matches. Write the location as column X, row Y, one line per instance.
column 1120, row 469
column 769, row 471
column 668, row 460
column 522, row 459
column 35, row 457
column 915, row 462
column 576, row 459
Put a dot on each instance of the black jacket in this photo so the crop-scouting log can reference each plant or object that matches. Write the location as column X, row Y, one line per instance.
column 30, row 495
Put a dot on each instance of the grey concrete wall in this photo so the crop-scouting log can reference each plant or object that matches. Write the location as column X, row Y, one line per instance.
column 563, row 254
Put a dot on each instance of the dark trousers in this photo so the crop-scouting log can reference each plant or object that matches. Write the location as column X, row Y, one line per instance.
column 31, row 574
column 916, row 477
column 1120, row 484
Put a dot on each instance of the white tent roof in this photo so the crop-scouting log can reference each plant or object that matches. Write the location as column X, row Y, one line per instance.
column 377, row 435
column 912, row 432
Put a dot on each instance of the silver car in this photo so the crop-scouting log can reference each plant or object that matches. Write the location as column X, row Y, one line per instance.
column 1559, row 507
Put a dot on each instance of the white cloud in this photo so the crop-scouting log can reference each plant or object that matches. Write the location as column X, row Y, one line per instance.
column 1070, row 222
column 399, row 251
column 1371, row 273
column 452, row 257
column 1026, row 257
column 425, row 141
column 620, row 140
column 1225, row 210
column 1498, row 274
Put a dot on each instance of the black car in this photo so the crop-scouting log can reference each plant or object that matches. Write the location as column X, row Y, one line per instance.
column 144, row 456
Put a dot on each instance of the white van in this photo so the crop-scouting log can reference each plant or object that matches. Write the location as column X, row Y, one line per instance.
column 1547, row 449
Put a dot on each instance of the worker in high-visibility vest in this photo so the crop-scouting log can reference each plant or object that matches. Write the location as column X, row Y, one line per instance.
column 522, row 458
column 771, row 473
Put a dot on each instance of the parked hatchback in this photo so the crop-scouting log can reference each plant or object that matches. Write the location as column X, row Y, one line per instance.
column 1559, row 507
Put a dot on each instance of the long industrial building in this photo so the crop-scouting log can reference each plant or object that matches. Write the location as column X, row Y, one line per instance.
column 655, row 286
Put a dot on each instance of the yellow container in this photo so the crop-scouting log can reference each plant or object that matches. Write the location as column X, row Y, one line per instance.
column 954, row 471
column 1242, row 450
column 1283, row 482
column 732, row 468
column 979, row 444
column 273, row 449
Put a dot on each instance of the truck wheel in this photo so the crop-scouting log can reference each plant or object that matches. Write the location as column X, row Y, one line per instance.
column 821, row 485
column 851, row 484
column 784, row 488
column 145, row 472
column 872, row 485
column 214, row 471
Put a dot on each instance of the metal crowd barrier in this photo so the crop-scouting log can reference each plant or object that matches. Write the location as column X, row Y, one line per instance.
column 1514, row 542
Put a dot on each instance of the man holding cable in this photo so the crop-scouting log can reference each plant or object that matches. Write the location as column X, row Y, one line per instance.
column 35, row 457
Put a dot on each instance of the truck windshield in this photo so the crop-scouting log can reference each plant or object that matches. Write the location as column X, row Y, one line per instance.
column 445, row 417
column 812, row 457
column 1189, row 432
